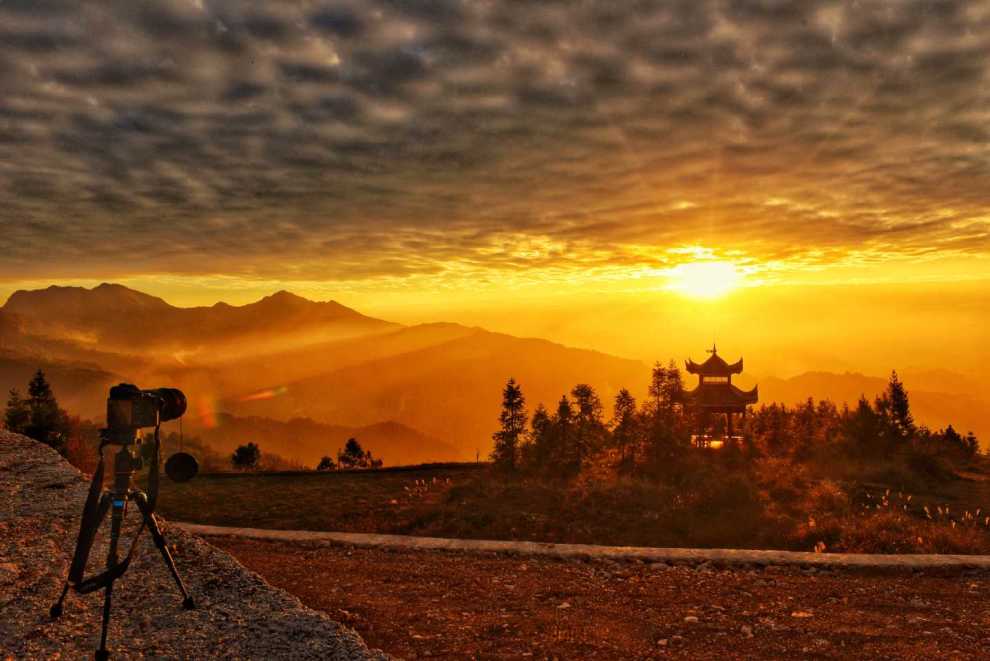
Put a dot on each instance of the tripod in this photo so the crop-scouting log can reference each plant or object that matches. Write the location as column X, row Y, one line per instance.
column 98, row 502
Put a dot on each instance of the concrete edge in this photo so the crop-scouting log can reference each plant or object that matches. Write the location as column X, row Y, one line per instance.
column 617, row 553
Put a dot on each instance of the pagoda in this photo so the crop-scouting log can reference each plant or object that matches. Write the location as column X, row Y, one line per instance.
column 715, row 394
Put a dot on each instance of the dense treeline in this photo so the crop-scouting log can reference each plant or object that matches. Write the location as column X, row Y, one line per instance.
column 654, row 438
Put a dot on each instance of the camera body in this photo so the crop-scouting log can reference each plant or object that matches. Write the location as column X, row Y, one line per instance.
column 129, row 409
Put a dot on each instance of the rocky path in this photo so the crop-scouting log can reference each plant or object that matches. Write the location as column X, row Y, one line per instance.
column 461, row 605
column 239, row 615
column 721, row 557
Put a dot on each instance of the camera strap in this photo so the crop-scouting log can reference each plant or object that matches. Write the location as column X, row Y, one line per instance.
column 153, row 470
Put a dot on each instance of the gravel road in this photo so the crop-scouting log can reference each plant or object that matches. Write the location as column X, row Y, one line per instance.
column 239, row 615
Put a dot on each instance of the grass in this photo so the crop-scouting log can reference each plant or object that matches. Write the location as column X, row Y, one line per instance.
column 777, row 505
column 374, row 501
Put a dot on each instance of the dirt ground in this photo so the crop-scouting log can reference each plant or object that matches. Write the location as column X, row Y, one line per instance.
column 416, row 604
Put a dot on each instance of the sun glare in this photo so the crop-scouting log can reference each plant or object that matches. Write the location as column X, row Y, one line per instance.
column 704, row 279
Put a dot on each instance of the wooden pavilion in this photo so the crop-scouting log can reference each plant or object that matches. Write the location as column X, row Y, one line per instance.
column 715, row 395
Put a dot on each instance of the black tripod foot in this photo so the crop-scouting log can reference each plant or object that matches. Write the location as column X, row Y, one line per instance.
column 102, row 655
column 188, row 604
column 56, row 611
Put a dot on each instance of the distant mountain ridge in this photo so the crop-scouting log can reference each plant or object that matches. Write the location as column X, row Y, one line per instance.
column 123, row 319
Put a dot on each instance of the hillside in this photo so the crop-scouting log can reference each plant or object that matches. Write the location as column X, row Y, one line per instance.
column 307, row 441
column 452, row 389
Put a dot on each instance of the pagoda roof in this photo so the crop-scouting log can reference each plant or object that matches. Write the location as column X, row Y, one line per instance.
column 714, row 366
column 721, row 396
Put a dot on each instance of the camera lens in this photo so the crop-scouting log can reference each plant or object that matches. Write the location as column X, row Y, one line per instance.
column 172, row 403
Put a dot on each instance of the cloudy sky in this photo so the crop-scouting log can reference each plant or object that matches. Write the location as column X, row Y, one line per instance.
column 419, row 146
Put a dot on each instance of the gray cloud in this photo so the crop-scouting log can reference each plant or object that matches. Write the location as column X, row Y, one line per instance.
column 383, row 137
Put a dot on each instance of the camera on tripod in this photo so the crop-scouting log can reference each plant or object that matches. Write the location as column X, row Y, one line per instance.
column 129, row 409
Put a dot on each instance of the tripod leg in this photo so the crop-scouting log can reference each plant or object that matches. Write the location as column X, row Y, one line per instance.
column 156, row 533
column 83, row 545
column 116, row 520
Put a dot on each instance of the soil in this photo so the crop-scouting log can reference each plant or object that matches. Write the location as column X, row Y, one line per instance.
column 417, row 604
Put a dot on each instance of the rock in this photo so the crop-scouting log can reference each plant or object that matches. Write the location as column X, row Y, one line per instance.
column 691, row 619
column 747, row 631
column 40, row 526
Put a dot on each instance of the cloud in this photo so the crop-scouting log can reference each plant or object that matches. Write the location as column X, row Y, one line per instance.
column 379, row 139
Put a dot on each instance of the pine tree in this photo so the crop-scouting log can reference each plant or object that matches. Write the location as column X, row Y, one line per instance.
column 673, row 386
column 48, row 423
column 512, row 421
column 537, row 450
column 658, row 386
column 900, row 407
column 624, row 422
column 863, row 429
column 589, row 430
column 566, row 458
column 18, row 414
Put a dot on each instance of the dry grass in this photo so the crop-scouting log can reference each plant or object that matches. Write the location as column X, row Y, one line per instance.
column 775, row 505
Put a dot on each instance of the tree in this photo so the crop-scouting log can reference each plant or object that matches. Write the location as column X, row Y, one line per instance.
column 863, row 430
column 512, row 421
column 326, row 464
column 354, row 456
column 624, row 422
column 18, row 414
column 658, row 385
column 673, row 385
column 589, row 430
column 246, row 457
column 47, row 422
column 566, row 454
column 895, row 411
column 536, row 451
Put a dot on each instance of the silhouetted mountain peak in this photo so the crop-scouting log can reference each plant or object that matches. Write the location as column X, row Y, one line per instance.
column 73, row 299
column 117, row 315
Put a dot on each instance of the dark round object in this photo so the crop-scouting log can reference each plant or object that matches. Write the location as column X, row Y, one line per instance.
column 189, row 604
column 181, row 467
column 171, row 403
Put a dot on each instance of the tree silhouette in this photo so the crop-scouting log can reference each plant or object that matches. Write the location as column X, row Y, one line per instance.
column 46, row 421
column 246, row 457
column 589, row 430
column 326, row 464
column 18, row 414
column 624, row 422
column 354, row 456
column 512, row 421
column 900, row 407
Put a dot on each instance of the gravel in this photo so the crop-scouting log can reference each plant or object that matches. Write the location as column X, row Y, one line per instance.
column 238, row 615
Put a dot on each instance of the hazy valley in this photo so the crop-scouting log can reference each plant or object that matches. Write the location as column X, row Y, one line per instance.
column 300, row 377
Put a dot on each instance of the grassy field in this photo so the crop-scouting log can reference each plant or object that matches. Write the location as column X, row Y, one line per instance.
column 782, row 509
column 379, row 501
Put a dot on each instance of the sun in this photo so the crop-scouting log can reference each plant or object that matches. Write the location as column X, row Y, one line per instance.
column 708, row 279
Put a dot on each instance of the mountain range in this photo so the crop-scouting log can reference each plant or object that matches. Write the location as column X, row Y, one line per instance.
column 300, row 376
